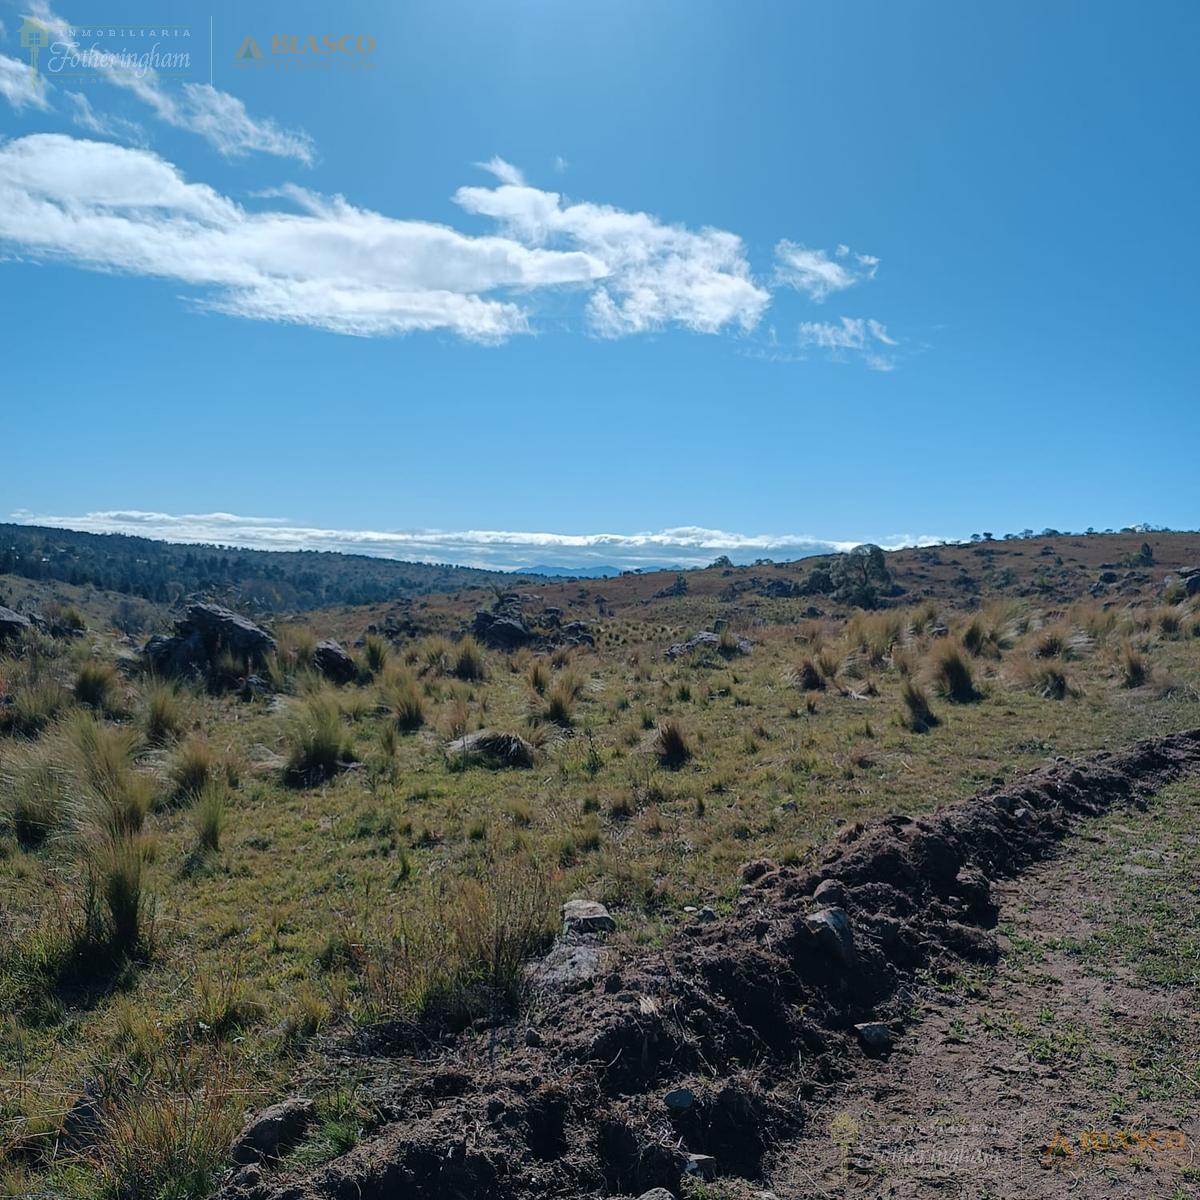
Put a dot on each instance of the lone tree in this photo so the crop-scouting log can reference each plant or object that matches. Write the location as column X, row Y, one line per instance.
column 861, row 576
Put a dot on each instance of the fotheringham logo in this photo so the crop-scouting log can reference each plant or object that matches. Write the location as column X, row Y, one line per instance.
column 296, row 50
column 105, row 50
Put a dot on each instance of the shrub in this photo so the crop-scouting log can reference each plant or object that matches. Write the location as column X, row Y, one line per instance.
column 876, row 633
column 436, row 656
column 403, row 700
column 468, row 660
column 807, row 677
column 36, row 702
column 975, row 637
column 212, row 801
column 1169, row 622
column 117, row 878
column 164, row 715
column 318, row 747
column 828, row 663
column 377, row 650
column 113, row 798
column 34, row 794
column 1131, row 666
column 294, row 646
column 193, row 766
column 169, row 1134
column 539, row 677
column 469, row 959
column 1051, row 683
column 560, row 702
column 495, row 748
column 1050, row 643
column 671, row 744
column 69, row 617
column 96, row 685
column 918, row 716
column 1046, row 678
column 225, row 1003
column 952, row 674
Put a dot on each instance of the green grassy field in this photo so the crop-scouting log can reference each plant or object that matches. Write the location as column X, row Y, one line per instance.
column 200, row 893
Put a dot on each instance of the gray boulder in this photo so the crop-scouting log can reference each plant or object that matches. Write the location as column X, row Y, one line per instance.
column 586, row 916
column 570, row 968
column 273, row 1131
column 13, row 624
column 333, row 662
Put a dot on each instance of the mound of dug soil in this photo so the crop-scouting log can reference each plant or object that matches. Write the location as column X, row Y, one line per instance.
column 741, row 1021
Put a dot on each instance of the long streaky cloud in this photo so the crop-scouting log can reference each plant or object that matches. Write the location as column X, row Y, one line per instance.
column 685, row 546
column 323, row 262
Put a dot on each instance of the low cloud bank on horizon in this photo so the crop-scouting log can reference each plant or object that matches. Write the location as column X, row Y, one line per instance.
column 684, row 546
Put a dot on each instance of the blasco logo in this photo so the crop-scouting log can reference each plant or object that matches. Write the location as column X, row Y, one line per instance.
column 286, row 50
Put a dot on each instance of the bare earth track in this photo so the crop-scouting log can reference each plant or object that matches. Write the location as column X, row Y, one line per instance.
column 755, row 1014
column 1072, row 1069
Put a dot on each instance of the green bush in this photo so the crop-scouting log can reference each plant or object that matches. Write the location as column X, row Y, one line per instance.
column 952, row 674
column 96, row 685
column 318, row 745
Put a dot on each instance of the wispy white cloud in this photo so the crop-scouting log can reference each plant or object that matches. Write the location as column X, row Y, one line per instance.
column 816, row 273
column 216, row 116
column 103, row 125
column 19, row 86
column 320, row 261
column 657, row 274
column 331, row 265
column 685, row 546
column 503, row 171
column 862, row 337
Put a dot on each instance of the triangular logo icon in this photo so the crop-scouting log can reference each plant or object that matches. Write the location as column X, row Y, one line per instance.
column 249, row 49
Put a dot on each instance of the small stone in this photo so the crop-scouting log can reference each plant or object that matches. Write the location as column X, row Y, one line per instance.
column 701, row 1166
column 706, row 915
column 831, row 891
column 249, row 1176
column 587, row 916
column 832, row 929
column 272, row 1131
column 533, row 1038
column 875, row 1036
column 657, row 1194
column 756, row 869
column 680, row 1099
column 689, row 908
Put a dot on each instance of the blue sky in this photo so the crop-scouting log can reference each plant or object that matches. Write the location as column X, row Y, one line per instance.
column 730, row 277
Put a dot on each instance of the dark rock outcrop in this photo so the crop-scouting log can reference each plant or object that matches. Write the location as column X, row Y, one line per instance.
column 333, row 662
column 501, row 632
column 13, row 624
column 205, row 632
